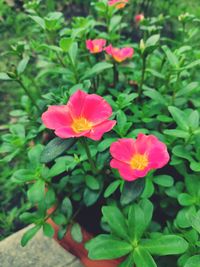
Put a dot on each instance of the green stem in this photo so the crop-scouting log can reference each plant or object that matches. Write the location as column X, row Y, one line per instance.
column 87, row 150
column 143, row 74
column 115, row 74
column 28, row 94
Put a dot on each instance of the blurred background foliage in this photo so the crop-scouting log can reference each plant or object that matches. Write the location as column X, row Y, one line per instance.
column 19, row 35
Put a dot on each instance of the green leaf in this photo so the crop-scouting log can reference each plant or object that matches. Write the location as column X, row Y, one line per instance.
column 153, row 40
column 73, row 51
column 96, row 69
column 111, row 188
column 90, row 196
column 163, row 180
column 179, row 117
column 131, row 191
column 105, row 144
column 59, row 219
column 36, row 192
column 173, row 60
column 165, row 245
column 48, row 230
column 50, row 197
column 92, row 182
column 55, row 148
column 193, row 261
column 181, row 152
column 177, row 133
column 194, row 119
column 107, row 247
column 34, row 155
column 23, row 175
column 116, row 221
column 22, row 65
column 192, row 65
column 29, row 235
column 65, row 43
column 142, row 258
column 195, row 166
column 195, row 221
column 128, row 262
column 67, row 208
column 185, row 199
column 136, row 222
column 59, row 167
column 156, row 96
column 4, row 76
column 39, row 21
column 76, row 233
column 147, row 208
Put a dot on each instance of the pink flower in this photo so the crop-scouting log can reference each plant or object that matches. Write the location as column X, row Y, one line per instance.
column 95, row 46
column 139, row 17
column 83, row 115
column 135, row 158
column 118, row 54
column 118, row 3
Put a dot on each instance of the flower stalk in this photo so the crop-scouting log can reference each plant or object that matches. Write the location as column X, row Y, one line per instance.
column 87, row 150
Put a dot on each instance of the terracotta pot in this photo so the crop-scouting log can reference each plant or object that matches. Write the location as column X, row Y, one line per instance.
column 79, row 250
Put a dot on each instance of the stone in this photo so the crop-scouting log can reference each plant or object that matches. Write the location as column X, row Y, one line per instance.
column 41, row 251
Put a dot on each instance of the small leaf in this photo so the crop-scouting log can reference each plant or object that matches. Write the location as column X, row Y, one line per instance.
column 179, row 117
column 4, row 76
column 136, row 222
column 76, row 233
column 97, row 68
column 165, row 245
column 39, row 21
column 163, row 180
column 90, row 196
column 48, row 230
column 36, row 192
column 111, row 188
column 131, row 191
column 116, row 221
column 193, row 261
column 22, row 65
column 195, row 221
column 107, row 247
column 142, row 258
column 173, row 60
column 185, row 199
column 55, row 148
column 65, row 44
column 29, row 235
column 92, row 182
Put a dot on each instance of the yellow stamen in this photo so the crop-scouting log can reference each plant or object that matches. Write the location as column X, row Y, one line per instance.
column 96, row 48
column 139, row 162
column 81, row 124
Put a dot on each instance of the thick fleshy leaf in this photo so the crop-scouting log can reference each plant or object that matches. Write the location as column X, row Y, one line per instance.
column 107, row 247
column 142, row 258
column 116, row 221
column 165, row 245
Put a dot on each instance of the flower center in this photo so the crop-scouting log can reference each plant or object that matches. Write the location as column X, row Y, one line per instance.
column 81, row 124
column 139, row 162
column 96, row 48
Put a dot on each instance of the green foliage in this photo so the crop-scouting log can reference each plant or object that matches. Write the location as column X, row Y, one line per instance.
column 44, row 60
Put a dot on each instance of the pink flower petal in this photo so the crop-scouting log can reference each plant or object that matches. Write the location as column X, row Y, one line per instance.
column 158, row 156
column 96, row 109
column 56, row 116
column 97, row 132
column 124, row 170
column 123, row 149
column 76, row 103
column 68, row 132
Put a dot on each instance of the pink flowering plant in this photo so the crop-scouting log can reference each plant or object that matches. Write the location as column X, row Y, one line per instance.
column 107, row 131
